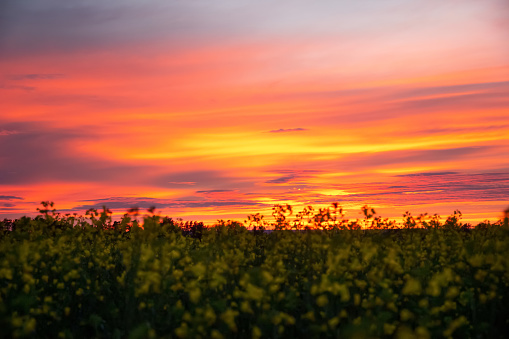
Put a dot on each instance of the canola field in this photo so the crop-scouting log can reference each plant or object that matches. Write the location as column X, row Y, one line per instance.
column 76, row 277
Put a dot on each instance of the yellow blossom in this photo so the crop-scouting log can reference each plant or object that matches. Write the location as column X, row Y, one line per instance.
column 322, row 300
column 412, row 287
column 406, row 315
column 228, row 317
column 389, row 328
column 256, row 332
column 215, row 334
column 333, row 322
column 182, row 331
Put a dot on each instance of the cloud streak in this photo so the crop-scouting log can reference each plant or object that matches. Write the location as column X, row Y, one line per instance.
column 285, row 130
column 10, row 197
column 121, row 204
column 36, row 76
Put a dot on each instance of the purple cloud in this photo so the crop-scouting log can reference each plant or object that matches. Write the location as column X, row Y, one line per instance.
column 48, row 150
column 10, row 197
column 124, row 203
column 36, row 76
column 213, row 191
column 283, row 130
column 281, row 180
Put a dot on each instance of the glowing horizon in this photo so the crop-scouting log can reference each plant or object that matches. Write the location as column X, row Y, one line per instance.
column 218, row 110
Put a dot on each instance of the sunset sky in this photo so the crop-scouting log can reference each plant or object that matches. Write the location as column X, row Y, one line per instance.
column 219, row 109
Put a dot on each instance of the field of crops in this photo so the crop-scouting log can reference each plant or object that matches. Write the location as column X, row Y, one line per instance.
column 66, row 276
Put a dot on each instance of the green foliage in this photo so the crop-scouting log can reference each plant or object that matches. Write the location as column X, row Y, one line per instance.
column 70, row 276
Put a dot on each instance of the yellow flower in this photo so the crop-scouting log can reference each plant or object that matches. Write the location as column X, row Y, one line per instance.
column 194, row 295
column 177, row 274
column 253, row 292
column 289, row 319
column 309, row 315
column 356, row 299
column 424, row 303
column 360, row 284
column 422, row 333
column 209, row 316
column 476, row 260
column 256, row 333
column 228, row 317
column 187, row 316
column 17, row 321
column 322, row 300
column 333, row 322
column 345, row 293
column 480, row 275
column 405, row 333
column 267, row 277
column 412, row 287
column 276, row 320
column 30, row 325
column 273, row 288
column 182, row 331
column 198, row 270
column 454, row 325
column 434, row 288
column 389, row 329
column 215, row 334
column 452, row 292
column 246, row 307
column 406, row 315
column 174, row 254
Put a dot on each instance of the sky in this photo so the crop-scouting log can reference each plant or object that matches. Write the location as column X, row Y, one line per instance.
column 219, row 109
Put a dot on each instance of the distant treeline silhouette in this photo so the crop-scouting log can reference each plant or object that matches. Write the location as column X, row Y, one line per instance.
column 324, row 219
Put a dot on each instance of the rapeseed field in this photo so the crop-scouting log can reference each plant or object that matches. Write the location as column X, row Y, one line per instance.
column 88, row 277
